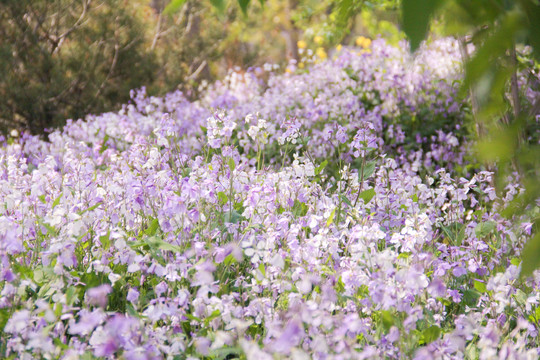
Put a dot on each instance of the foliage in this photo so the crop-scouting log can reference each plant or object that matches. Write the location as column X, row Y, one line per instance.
column 62, row 59
column 504, row 123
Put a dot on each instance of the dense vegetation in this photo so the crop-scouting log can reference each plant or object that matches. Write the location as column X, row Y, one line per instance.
column 332, row 211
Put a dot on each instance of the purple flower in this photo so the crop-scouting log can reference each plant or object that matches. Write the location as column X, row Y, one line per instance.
column 98, row 296
column 132, row 295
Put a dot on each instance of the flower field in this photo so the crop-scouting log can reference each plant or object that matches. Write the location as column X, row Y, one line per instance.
column 330, row 212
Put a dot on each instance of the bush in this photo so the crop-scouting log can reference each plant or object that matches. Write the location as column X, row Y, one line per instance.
column 63, row 59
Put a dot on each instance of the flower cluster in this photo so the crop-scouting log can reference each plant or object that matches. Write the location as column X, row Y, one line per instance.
column 326, row 214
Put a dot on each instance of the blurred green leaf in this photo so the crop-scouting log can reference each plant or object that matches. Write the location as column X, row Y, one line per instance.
column 387, row 319
column 494, row 46
column 367, row 170
column 416, row 15
column 431, row 334
column 532, row 11
column 367, row 195
column 499, row 147
column 219, row 5
column 480, row 286
column 243, row 5
column 483, row 229
column 173, row 6
column 531, row 256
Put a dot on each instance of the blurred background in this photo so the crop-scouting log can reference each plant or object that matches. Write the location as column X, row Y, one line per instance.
column 63, row 59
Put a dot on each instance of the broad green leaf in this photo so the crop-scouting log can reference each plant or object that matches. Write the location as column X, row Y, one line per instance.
column 367, row 195
column 483, row 229
column 223, row 199
column 243, row 5
column 157, row 243
column 368, row 170
column 233, row 217
column 152, row 228
column 387, row 319
column 299, row 208
column 173, row 6
column 231, row 164
column 480, row 286
column 493, row 47
column 531, row 256
column 532, row 11
column 104, row 240
column 499, row 147
column 219, row 5
column 416, row 16
column 431, row 334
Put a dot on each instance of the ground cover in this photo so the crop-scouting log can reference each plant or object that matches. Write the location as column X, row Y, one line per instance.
column 328, row 212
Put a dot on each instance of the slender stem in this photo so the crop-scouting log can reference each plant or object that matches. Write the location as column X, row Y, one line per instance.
column 361, row 185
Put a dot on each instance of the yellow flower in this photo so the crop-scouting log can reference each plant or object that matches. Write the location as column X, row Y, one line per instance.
column 318, row 39
column 339, row 47
column 301, row 44
column 321, row 53
column 367, row 43
column 301, row 65
column 360, row 40
column 363, row 42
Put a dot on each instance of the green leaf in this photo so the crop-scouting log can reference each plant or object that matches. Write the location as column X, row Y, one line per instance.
column 299, row 208
column 262, row 269
column 157, row 243
column 233, row 217
column 416, row 15
column 367, row 171
column 470, row 297
column 431, row 334
column 455, row 233
column 226, row 353
column 93, row 207
column 367, row 195
column 532, row 11
column 222, row 197
column 387, row 319
column 493, row 47
column 104, row 145
column 231, row 163
column 531, row 256
column 152, row 228
column 57, row 201
column 320, row 168
column 243, row 5
column 484, row 229
column 104, row 240
column 331, row 217
column 480, row 286
column 173, row 6
column 345, row 199
column 219, row 5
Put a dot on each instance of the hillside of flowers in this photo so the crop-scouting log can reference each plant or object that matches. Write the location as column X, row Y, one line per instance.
column 330, row 212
